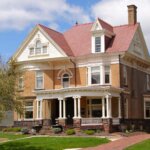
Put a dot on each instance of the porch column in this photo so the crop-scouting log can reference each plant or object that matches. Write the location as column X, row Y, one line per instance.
column 107, row 106
column 37, row 109
column 79, row 108
column 103, row 107
column 60, row 108
column 110, row 110
column 75, row 107
column 119, row 108
column 64, row 108
column 41, row 107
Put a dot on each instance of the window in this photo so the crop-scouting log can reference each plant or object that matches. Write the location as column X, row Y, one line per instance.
column 39, row 80
column 107, row 74
column 28, row 110
column 94, row 108
column 147, row 109
column 44, row 49
column 65, row 80
column 32, row 51
column 95, row 75
column 38, row 47
column 125, row 75
column 148, row 82
column 21, row 83
column 97, row 44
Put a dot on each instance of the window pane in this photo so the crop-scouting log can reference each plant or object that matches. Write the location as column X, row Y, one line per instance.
column 97, row 44
column 95, row 78
column 65, row 80
column 95, row 69
column 96, row 101
column 38, row 47
column 29, row 110
column 44, row 49
column 20, row 84
column 31, row 51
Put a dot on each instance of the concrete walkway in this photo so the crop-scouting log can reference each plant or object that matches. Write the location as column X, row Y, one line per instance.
column 121, row 143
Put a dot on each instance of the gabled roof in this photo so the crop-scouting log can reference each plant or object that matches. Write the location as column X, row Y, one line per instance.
column 59, row 39
column 105, row 25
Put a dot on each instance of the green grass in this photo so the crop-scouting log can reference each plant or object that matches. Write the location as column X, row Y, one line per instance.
column 11, row 136
column 52, row 143
column 145, row 145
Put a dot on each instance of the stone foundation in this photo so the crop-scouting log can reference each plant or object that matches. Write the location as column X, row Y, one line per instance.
column 76, row 122
column 107, row 125
column 62, row 122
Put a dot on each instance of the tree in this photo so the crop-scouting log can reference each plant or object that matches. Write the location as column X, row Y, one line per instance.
column 9, row 97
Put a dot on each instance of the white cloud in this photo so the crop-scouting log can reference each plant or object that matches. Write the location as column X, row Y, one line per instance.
column 18, row 14
column 115, row 13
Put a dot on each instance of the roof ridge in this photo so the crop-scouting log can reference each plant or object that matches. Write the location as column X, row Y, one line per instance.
column 126, row 25
column 82, row 24
column 50, row 28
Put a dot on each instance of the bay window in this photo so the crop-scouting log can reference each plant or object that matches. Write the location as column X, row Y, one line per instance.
column 28, row 110
column 95, row 75
column 39, row 80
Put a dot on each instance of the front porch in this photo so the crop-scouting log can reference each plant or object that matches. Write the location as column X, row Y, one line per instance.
column 88, row 107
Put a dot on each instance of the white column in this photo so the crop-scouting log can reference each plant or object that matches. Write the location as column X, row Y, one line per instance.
column 64, row 108
column 75, row 107
column 110, row 110
column 102, row 75
column 37, row 109
column 103, row 107
column 119, row 108
column 41, row 109
column 60, row 108
column 79, row 108
column 107, row 106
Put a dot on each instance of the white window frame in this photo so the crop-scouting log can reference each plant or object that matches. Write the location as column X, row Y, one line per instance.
column 100, row 44
column 62, row 77
column 26, row 107
column 146, row 100
column 107, row 71
column 36, row 79
column 102, row 75
column 21, row 85
column 125, row 75
column 148, row 82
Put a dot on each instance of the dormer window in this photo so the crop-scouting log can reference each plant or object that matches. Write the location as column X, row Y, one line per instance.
column 98, row 44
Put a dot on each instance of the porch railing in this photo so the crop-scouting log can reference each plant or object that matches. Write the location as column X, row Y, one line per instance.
column 115, row 121
column 91, row 121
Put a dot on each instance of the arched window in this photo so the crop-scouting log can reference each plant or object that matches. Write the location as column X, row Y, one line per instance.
column 65, row 80
column 38, row 47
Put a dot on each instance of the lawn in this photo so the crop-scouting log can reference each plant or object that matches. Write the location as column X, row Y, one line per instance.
column 11, row 136
column 52, row 143
column 145, row 145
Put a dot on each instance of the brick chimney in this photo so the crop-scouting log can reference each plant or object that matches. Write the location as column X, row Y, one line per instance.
column 132, row 14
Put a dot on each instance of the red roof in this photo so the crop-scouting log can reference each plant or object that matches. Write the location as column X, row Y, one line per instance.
column 77, row 40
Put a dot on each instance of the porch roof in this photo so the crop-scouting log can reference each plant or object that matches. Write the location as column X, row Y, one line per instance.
column 95, row 90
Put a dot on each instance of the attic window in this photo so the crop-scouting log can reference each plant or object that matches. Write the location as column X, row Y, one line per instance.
column 98, row 44
column 38, row 47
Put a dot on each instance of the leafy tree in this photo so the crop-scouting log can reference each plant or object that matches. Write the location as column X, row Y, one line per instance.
column 9, row 97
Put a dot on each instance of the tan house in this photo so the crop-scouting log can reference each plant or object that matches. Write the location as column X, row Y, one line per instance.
column 94, row 75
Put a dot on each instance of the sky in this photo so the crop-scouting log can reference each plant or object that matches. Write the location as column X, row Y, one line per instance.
column 19, row 17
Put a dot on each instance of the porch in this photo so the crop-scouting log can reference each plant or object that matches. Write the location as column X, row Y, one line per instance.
column 82, row 107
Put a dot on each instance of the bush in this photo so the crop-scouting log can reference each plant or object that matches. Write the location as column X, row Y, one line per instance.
column 89, row 132
column 25, row 131
column 70, row 132
column 15, row 129
column 57, row 130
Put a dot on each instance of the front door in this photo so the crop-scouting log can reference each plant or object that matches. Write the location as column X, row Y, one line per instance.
column 69, row 111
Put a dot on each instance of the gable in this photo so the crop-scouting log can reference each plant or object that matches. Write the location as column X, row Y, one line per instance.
column 53, row 50
column 138, row 45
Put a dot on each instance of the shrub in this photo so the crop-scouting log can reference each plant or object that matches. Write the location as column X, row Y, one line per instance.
column 57, row 130
column 89, row 132
column 25, row 131
column 15, row 129
column 70, row 132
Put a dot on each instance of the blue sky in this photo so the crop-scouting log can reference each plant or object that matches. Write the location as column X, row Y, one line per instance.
column 18, row 17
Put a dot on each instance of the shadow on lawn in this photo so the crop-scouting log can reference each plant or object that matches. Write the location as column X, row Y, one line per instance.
column 19, row 146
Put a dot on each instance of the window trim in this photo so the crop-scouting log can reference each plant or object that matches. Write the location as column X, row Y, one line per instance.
column 63, row 78
column 29, row 107
column 146, row 100
column 22, row 86
column 36, row 80
column 148, row 82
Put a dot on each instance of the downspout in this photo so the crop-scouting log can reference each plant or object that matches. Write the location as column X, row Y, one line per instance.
column 75, row 81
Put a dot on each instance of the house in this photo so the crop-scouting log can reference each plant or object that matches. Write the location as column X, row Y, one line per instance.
column 94, row 75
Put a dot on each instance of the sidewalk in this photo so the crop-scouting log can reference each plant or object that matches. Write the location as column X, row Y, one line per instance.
column 122, row 143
